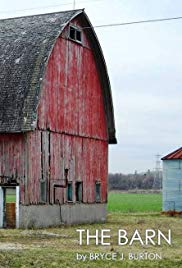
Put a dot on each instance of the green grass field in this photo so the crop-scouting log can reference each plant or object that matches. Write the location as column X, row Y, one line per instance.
column 124, row 202
column 11, row 198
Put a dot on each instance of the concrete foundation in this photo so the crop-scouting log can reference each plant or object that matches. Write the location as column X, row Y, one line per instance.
column 53, row 215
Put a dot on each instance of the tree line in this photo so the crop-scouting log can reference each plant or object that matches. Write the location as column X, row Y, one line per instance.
column 148, row 180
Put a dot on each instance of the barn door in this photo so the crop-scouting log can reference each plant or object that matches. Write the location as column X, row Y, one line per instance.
column 9, row 207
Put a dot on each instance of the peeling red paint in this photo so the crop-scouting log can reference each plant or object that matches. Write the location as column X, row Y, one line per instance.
column 71, row 130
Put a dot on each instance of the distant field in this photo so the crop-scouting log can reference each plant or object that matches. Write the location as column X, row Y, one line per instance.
column 11, row 198
column 124, row 202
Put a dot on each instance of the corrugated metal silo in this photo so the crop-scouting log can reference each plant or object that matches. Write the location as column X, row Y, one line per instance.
column 172, row 181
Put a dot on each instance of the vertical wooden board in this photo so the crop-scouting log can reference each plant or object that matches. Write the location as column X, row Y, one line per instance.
column 22, row 158
column 47, row 98
column 31, row 184
column 85, row 120
column 9, row 163
column 57, row 83
column 30, row 175
column 1, row 153
column 67, row 88
column 21, row 170
column 49, row 75
column 81, row 92
column 104, row 171
column 69, row 96
column 94, row 99
column 63, row 49
column 33, row 167
column 86, row 157
column 94, row 173
column 67, row 150
column 26, row 168
column 3, row 158
column 78, row 98
column 52, row 166
column 79, row 155
column 83, row 172
column 16, row 153
column 58, row 157
column 89, row 89
column 27, row 196
column 37, row 166
column 73, row 47
column 98, row 130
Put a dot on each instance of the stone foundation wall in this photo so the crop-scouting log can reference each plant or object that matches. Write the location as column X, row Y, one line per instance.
column 54, row 215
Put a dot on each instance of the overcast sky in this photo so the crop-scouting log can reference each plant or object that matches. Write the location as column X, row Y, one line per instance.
column 144, row 63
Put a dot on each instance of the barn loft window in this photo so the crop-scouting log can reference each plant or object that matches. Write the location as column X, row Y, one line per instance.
column 79, row 191
column 97, row 192
column 70, row 192
column 75, row 34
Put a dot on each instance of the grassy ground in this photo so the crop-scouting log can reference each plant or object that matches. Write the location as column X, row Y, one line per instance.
column 57, row 247
column 11, row 198
column 124, row 202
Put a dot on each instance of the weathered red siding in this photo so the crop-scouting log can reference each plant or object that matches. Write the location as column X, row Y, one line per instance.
column 71, row 99
column 12, row 158
column 71, row 130
column 72, row 109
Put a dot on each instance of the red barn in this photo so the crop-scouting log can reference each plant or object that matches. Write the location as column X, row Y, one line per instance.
column 56, row 121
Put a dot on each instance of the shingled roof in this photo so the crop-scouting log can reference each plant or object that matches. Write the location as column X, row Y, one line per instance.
column 25, row 46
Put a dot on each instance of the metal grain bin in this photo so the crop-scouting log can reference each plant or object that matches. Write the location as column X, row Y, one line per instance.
column 172, row 181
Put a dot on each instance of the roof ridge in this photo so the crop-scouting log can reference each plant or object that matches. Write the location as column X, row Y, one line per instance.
column 42, row 14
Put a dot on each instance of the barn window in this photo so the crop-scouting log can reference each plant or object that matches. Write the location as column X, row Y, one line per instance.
column 70, row 192
column 43, row 191
column 79, row 191
column 97, row 192
column 75, row 34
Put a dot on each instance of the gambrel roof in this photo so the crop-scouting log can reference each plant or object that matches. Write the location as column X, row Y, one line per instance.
column 25, row 46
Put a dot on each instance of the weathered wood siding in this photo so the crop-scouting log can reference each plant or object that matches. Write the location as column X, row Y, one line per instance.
column 71, row 130
column 72, row 109
column 86, row 161
column 71, row 99
column 12, row 159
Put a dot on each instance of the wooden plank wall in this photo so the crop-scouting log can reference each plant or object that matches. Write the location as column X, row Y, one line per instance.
column 71, row 130
column 72, row 109
column 84, row 161
column 12, row 159
column 71, row 99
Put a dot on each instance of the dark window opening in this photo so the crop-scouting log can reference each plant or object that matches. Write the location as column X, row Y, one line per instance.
column 97, row 192
column 43, row 191
column 72, row 33
column 70, row 192
column 78, row 36
column 79, row 191
column 75, row 34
